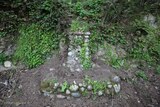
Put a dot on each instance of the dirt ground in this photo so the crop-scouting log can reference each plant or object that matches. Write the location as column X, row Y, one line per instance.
column 133, row 94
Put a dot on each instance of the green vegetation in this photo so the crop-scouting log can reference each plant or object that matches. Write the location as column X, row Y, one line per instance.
column 97, row 85
column 141, row 74
column 111, row 23
column 2, row 58
column 64, row 86
column 35, row 44
column 85, row 61
column 158, row 69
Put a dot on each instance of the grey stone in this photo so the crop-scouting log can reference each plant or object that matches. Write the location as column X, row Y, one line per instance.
column 151, row 20
column 117, row 88
column 89, row 87
column 7, row 64
column 116, row 79
column 76, row 94
column 45, row 93
column 61, row 96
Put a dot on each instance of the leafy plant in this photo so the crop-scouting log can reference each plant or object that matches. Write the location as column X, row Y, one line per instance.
column 145, row 45
column 97, row 85
column 77, row 25
column 112, row 57
column 141, row 74
column 34, row 44
column 64, row 86
column 85, row 60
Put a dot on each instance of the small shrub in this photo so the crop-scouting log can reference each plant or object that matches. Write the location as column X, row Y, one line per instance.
column 34, row 44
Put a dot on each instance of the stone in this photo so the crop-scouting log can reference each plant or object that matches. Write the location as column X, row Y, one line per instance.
column 107, row 92
column 70, row 53
column 151, row 20
column 110, row 86
column 117, row 88
column 76, row 94
column 74, row 87
column 45, row 93
column 100, row 93
column 82, row 89
column 56, row 85
column 89, row 87
column 80, row 84
column 116, row 79
column 7, row 64
column 51, row 69
column 61, row 96
column 68, row 92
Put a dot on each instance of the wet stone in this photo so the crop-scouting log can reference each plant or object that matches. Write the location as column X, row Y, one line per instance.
column 76, row 94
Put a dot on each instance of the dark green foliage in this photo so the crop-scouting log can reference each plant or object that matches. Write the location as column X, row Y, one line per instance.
column 35, row 44
column 141, row 74
column 2, row 58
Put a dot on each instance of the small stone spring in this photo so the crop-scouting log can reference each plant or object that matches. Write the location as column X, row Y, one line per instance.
column 77, row 40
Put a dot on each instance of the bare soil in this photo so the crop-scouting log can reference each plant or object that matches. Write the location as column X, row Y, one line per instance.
column 27, row 93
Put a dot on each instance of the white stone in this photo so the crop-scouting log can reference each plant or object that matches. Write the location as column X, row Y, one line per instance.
column 117, row 88
column 82, row 89
column 56, row 85
column 68, row 92
column 100, row 93
column 110, row 86
column 73, row 87
column 80, row 84
column 7, row 64
column 70, row 53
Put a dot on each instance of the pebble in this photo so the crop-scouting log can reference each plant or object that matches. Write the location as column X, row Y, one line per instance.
column 7, row 64
column 110, row 86
column 116, row 79
column 100, row 93
column 56, row 85
column 70, row 53
column 80, row 84
column 117, row 88
column 51, row 69
column 82, row 89
column 68, row 92
column 45, row 93
column 61, row 96
column 76, row 94
column 89, row 87
column 74, row 87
